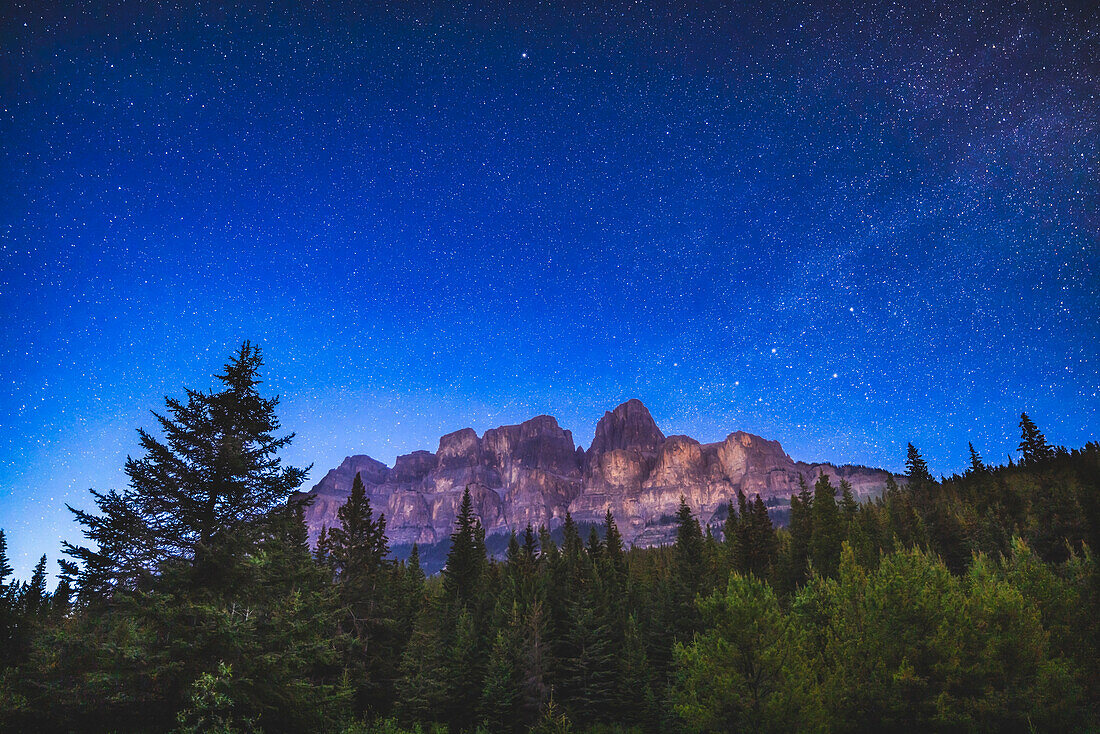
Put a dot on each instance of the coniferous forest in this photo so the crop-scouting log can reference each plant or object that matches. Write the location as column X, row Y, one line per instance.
column 194, row 603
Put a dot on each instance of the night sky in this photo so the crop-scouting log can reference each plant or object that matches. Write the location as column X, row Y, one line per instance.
column 842, row 226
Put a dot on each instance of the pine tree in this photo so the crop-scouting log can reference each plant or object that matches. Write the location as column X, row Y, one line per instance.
column 742, row 529
column 357, row 546
column 530, row 546
column 595, row 545
column 848, row 504
column 534, row 661
column 801, row 534
column 636, row 702
column 613, row 545
column 497, row 709
column 1033, row 444
column 202, row 497
column 687, row 571
column 412, row 565
column 202, row 561
column 62, row 597
column 423, row 689
column 321, row 551
column 731, row 536
column 571, row 544
column 916, row 469
column 828, row 533
column 34, row 597
column 5, row 565
column 367, row 589
column 410, row 597
column 464, row 674
column 548, row 549
column 763, row 543
column 465, row 567
column 976, row 464
column 689, row 539
column 588, row 668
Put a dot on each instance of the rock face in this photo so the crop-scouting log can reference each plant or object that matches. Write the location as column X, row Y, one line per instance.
column 533, row 473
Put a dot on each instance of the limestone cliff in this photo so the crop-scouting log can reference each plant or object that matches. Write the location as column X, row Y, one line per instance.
column 533, row 473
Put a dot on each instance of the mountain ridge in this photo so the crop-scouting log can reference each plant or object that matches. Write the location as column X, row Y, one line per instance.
column 532, row 472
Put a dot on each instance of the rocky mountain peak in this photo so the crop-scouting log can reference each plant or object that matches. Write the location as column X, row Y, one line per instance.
column 628, row 427
column 533, row 473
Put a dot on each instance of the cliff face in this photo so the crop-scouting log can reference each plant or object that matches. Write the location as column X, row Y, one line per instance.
column 533, row 473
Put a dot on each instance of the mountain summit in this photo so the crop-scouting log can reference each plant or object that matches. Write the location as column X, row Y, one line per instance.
column 533, row 473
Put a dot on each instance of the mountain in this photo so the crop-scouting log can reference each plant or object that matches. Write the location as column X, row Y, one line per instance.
column 533, row 473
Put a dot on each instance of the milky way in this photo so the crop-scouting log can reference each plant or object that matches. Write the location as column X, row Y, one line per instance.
column 845, row 227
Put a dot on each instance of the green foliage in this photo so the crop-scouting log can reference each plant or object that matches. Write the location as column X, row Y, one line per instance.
column 828, row 532
column 743, row 672
column 916, row 468
column 466, row 560
column 211, row 707
column 969, row 604
column 1033, row 444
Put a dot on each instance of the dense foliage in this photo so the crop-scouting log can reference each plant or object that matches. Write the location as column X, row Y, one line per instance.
column 965, row 604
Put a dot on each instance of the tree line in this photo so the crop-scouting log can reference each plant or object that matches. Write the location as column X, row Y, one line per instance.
column 196, row 604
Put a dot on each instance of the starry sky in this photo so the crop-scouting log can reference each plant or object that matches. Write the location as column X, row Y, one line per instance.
column 845, row 226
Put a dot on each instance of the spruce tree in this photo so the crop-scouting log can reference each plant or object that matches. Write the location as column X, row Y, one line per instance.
column 530, row 545
column 742, row 545
column 801, row 534
column 763, row 543
column 613, row 544
column 848, row 504
column 1033, row 444
column 595, row 545
column 202, row 496
column 465, row 567
column 201, row 561
column 828, row 533
column 916, row 469
column 731, row 536
column 977, row 466
column 34, row 597
column 687, row 571
column 357, row 546
column 412, row 566
column 367, row 590
column 497, row 708
column 588, row 667
column 5, row 565
column 534, row 663
column 571, row 544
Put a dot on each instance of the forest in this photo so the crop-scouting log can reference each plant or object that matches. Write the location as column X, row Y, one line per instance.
column 195, row 603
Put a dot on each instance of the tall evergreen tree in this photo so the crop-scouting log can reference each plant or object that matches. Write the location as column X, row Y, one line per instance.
column 801, row 533
column 497, row 709
column 366, row 585
column 731, row 535
column 916, row 469
column 357, row 546
column 34, row 597
column 687, row 571
column 595, row 545
column 828, row 533
column 1033, row 444
column 195, row 565
column 848, row 504
column 613, row 544
column 762, row 539
column 202, row 496
column 976, row 464
column 5, row 565
column 465, row 567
